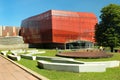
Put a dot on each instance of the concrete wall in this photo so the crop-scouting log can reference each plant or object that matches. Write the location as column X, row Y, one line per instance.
column 72, row 67
column 15, row 46
column 11, row 40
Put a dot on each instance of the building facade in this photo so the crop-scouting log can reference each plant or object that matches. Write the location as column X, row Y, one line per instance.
column 9, row 31
column 55, row 28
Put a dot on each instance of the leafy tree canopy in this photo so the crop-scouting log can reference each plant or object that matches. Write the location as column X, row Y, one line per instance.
column 107, row 32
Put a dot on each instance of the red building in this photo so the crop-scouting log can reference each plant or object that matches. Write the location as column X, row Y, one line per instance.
column 55, row 28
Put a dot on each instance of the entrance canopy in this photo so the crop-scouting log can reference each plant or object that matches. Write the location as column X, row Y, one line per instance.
column 79, row 45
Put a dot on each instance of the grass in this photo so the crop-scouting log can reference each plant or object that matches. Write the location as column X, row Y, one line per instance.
column 110, row 74
column 52, row 53
column 116, row 56
column 48, row 53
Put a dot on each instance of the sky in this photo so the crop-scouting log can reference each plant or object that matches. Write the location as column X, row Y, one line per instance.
column 12, row 12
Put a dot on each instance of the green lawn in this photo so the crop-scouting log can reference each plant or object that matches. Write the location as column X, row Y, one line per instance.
column 110, row 74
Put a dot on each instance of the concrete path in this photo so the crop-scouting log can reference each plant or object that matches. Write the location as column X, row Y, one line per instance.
column 10, row 71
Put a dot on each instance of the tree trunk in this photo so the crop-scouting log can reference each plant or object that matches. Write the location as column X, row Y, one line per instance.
column 112, row 49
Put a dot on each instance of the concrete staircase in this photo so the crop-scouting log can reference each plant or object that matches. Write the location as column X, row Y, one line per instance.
column 12, row 42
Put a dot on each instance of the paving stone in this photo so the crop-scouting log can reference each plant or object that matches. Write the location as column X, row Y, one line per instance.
column 9, row 71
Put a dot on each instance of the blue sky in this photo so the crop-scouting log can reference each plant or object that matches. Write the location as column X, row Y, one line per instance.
column 12, row 12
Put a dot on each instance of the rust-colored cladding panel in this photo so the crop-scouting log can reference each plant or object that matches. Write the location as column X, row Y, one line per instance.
column 37, row 29
column 56, row 26
column 69, row 26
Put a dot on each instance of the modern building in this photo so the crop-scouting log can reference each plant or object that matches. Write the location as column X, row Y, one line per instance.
column 57, row 28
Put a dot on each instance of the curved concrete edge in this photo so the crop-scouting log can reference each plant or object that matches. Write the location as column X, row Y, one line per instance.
column 77, row 66
column 14, row 57
column 38, row 76
column 25, row 56
column 109, row 64
column 72, row 67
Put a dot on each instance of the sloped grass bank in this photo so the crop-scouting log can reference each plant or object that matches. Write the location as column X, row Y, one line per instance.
column 110, row 74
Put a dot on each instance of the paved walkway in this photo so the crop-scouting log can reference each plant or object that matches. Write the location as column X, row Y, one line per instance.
column 9, row 71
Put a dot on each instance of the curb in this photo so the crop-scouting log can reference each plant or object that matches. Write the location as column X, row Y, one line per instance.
column 38, row 76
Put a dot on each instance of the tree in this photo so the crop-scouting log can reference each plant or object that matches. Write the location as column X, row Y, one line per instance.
column 107, row 32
